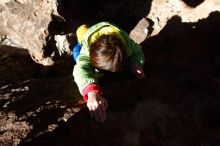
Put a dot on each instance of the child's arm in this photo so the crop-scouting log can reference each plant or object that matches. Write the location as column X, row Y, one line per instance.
column 135, row 56
column 84, row 75
column 88, row 86
column 134, row 51
column 137, row 60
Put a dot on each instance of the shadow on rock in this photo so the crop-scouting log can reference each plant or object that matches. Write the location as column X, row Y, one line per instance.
column 193, row 3
column 125, row 13
column 176, row 104
column 16, row 66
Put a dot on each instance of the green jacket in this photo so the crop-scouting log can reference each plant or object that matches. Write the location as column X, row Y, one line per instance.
column 85, row 74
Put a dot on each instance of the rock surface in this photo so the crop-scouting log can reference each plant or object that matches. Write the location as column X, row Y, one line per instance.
column 24, row 24
column 176, row 104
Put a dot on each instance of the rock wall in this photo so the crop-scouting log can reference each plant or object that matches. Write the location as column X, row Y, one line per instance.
column 176, row 104
column 163, row 10
column 24, row 24
column 46, row 27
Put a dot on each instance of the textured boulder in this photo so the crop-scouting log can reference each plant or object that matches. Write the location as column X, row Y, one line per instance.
column 176, row 104
column 24, row 24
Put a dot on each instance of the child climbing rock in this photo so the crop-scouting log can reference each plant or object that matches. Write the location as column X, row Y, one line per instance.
column 103, row 46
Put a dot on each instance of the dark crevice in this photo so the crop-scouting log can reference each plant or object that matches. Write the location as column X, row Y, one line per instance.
column 193, row 3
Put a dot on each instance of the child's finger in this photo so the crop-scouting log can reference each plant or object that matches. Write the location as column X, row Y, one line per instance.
column 105, row 104
column 140, row 76
column 100, row 113
column 102, row 108
column 139, row 71
column 95, row 113
column 91, row 114
column 90, row 110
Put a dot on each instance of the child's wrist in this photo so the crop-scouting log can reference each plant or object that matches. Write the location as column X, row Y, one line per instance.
column 91, row 93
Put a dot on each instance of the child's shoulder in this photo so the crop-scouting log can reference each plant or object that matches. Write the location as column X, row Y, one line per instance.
column 99, row 25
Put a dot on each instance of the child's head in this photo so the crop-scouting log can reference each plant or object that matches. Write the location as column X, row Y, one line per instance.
column 107, row 53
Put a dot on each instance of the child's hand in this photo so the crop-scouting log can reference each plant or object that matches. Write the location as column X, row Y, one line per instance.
column 97, row 106
column 137, row 71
